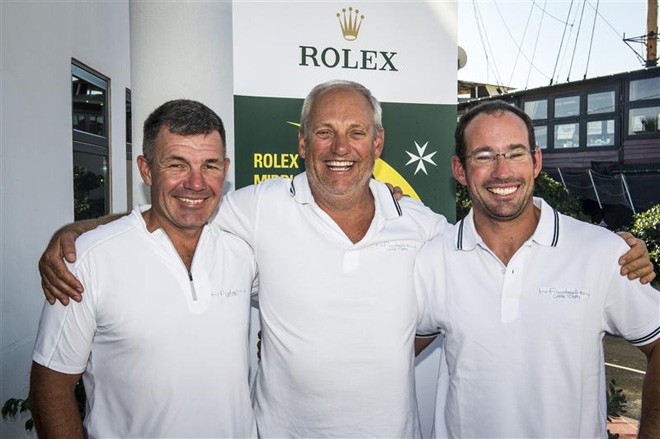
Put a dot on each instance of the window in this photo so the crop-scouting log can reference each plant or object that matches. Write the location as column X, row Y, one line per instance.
column 644, row 120
column 541, row 135
column 600, row 133
column 568, row 106
column 89, row 94
column 129, row 153
column 537, row 109
column 600, row 102
column 648, row 88
column 567, row 135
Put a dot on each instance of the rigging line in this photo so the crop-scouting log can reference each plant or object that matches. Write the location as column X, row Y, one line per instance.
column 562, row 42
column 606, row 22
column 619, row 35
column 520, row 51
column 564, row 55
column 591, row 41
column 545, row 12
column 538, row 34
column 486, row 44
column 481, row 38
column 577, row 37
column 515, row 63
column 496, row 70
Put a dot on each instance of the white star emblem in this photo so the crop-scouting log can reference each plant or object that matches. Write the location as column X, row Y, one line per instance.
column 420, row 158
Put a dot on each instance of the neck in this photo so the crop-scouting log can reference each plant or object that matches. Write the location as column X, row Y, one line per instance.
column 352, row 214
column 184, row 240
column 504, row 238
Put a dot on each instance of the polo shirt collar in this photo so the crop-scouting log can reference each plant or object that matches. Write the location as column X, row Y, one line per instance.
column 546, row 233
column 386, row 206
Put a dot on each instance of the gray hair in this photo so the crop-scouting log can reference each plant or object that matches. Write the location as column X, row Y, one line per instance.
column 339, row 84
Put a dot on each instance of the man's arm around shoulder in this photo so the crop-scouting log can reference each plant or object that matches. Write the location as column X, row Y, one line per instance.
column 53, row 403
column 57, row 281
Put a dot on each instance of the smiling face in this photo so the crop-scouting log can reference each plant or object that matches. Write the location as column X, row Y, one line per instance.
column 502, row 191
column 340, row 146
column 186, row 177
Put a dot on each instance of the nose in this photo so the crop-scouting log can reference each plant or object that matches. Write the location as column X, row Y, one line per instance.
column 194, row 180
column 340, row 145
column 501, row 167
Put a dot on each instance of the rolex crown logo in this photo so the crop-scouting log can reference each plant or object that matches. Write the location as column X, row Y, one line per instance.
column 350, row 26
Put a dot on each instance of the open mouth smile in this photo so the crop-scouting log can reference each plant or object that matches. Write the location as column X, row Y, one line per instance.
column 503, row 190
column 339, row 165
column 193, row 201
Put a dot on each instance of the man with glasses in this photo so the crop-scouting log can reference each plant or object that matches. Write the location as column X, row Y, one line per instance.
column 523, row 296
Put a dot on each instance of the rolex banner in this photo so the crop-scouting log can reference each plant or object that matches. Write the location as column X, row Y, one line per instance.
column 404, row 52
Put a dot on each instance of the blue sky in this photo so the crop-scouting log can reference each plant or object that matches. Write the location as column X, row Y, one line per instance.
column 514, row 40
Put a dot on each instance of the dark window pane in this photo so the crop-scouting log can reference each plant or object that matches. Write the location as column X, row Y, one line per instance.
column 89, row 104
column 644, row 120
column 90, row 189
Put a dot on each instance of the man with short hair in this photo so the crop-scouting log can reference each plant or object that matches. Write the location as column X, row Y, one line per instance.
column 160, row 335
column 523, row 296
column 335, row 253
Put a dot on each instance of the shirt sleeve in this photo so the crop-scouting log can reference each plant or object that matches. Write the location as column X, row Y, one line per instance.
column 427, row 290
column 237, row 214
column 632, row 310
column 65, row 336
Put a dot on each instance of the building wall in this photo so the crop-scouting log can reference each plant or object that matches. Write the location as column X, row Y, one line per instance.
column 39, row 39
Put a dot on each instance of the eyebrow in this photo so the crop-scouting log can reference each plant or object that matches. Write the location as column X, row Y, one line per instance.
column 511, row 147
column 181, row 159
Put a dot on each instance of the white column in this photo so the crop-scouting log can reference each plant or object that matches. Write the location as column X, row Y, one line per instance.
column 180, row 50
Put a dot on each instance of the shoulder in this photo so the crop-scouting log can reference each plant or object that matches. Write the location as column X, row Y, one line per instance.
column 590, row 236
column 230, row 243
column 420, row 214
column 271, row 187
column 107, row 235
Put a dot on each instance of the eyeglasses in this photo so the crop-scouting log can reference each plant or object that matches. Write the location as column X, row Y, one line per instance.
column 489, row 158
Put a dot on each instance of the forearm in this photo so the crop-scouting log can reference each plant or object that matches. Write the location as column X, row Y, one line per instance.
column 54, row 407
column 649, row 425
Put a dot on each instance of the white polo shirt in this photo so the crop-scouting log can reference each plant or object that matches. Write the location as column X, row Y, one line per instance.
column 523, row 342
column 338, row 319
column 162, row 355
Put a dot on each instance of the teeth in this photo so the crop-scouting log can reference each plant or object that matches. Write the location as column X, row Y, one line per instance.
column 191, row 201
column 503, row 190
column 342, row 165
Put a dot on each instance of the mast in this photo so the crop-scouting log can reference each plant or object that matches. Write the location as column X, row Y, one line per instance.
column 652, row 33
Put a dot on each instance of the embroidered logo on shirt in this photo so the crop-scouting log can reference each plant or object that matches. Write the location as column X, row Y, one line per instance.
column 564, row 293
column 228, row 293
column 397, row 246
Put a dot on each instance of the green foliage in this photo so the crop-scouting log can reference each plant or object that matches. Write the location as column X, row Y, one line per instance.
column 84, row 183
column 14, row 406
column 646, row 227
column 559, row 197
column 545, row 187
column 616, row 401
